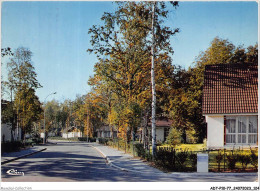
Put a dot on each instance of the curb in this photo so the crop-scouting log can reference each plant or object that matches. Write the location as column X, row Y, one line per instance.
column 23, row 156
column 110, row 163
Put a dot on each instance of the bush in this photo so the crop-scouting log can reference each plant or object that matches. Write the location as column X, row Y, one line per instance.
column 90, row 139
column 37, row 140
column 232, row 160
column 254, row 158
column 191, row 136
column 11, row 146
column 139, row 149
column 193, row 159
column 219, row 158
column 103, row 141
column 165, row 157
column 181, row 159
column 174, row 137
column 244, row 160
column 170, row 159
column 141, row 152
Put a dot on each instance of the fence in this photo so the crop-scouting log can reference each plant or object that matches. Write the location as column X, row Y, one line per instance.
column 233, row 160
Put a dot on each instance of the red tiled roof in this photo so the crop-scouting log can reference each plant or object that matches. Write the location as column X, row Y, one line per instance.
column 230, row 89
column 162, row 123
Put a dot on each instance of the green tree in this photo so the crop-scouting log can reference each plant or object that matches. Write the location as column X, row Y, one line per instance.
column 51, row 112
column 174, row 137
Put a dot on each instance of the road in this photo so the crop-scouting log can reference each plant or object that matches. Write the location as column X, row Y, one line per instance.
column 77, row 161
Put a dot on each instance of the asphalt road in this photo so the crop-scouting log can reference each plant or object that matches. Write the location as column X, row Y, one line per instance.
column 77, row 161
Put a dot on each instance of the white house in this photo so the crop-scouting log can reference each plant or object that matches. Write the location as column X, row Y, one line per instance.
column 72, row 133
column 230, row 101
column 162, row 128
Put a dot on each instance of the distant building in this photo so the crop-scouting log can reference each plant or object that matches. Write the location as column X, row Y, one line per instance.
column 72, row 132
column 230, row 102
column 105, row 132
column 162, row 129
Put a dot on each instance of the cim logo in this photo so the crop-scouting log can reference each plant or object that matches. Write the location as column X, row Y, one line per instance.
column 15, row 172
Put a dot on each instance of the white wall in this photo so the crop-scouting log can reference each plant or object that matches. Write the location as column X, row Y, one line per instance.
column 6, row 131
column 51, row 134
column 71, row 134
column 159, row 134
column 215, row 133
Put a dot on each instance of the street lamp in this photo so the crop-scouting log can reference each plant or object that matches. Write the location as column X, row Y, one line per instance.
column 44, row 116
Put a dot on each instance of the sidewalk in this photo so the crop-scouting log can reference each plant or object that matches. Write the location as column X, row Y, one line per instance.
column 127, row 162
column 13, row 155
column 122, row 161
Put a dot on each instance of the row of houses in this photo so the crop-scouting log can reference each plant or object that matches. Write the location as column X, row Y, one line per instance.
column 230, row 107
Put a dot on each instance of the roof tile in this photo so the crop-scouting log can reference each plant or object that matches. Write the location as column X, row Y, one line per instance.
column 230, row 89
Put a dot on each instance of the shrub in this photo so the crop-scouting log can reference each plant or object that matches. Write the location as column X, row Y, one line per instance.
column 219, row 158
column 90, row 139
column 139, row 149
column 193, row 159
column 191, row 136
column 244, row 160
column 181, row 159
column 141, row 152
column 11, row 146
column 174, row 137
column 254, row 158
column 232, row 160
column 165, row 157
column 37, row 140
column 103, row 141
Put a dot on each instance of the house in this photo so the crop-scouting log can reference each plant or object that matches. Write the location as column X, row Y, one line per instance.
column 105, row 132
column 72, row 132
column 163, row 126
column 230, row 102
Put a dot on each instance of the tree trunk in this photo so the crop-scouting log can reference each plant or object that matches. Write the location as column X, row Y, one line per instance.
column 153, row 89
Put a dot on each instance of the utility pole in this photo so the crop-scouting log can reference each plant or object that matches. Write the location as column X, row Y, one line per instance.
column 153, row 88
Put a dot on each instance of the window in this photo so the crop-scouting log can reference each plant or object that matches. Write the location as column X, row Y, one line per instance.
column 241, row 130
column 231, row 130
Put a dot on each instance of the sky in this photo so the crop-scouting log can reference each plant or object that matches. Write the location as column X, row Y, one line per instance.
column 57, row 34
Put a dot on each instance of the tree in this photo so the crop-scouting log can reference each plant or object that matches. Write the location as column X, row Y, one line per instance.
column 123, row 46
column 8, row 112
column 22, row 81
column 174, row 137
column 29, row 107
column 51, row 115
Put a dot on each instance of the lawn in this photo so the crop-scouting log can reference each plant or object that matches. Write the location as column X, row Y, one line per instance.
column 189, row 147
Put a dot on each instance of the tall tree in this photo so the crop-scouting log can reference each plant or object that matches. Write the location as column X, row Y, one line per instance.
column 8, row 111
column 123, row 46
column 22, row 79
